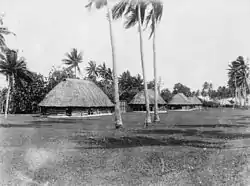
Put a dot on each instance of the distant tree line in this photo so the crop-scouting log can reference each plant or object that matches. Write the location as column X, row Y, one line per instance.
column 26, row 97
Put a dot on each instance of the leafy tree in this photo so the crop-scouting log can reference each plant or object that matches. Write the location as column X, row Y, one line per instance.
column 224, row 92
column 180, row 88
column 57, row 75
column 166, row 95
column 105, row 73
column 15, row 70
column 134, row 13
column 129, row 85
column 73, row 59
column 3, row 97
column 27, row 98
column 197, row 93
column 100, row 4
column 193, row 93
column 151, row 84
column 206, row 89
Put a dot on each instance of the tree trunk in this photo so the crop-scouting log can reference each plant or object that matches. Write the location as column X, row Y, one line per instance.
column 148, row 117
column 75, row 72
column 118, row 118
column 7, row 99
column 235, row 92
column 240, row 95
column 156, row 114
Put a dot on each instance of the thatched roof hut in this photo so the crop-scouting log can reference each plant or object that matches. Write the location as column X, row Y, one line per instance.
column 139, row 98
column 195, row 101
column 76, row 93
column 180, row 99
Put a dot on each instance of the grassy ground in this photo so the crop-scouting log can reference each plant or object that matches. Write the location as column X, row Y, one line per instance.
column 185, row 148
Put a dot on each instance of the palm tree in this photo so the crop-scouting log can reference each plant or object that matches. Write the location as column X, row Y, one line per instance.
column 3, row 31
column 15, row 70
column 92, row 70
column 99, row 4
column 73, row 60
column 154, row 16
column 104, row 72
column 134, row 12
column 238, row 78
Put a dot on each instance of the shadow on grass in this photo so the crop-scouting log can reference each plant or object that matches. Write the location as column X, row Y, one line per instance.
column 49, row 123
column 139, row 141
column 211, row 126
column 25, row 125
column 216, row 134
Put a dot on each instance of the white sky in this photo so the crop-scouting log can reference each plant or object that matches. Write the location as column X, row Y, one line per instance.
column 195, row 41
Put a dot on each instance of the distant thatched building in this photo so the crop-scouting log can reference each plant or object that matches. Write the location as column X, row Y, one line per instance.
column 76, row 95
column 138, row 102
column 180, row 101
column 195, row 102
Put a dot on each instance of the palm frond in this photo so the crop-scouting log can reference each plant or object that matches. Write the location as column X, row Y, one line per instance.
column 158, row 10
column 67, row 61
column 97, row 3
column 78, row 69
column 131, row 19
column 154, row 16
column 5, row 31
column 119, row 9
column 143, row 7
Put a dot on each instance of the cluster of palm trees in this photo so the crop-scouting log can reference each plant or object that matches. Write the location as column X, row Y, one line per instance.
column 238, row 73
column 14, row 68
column 141, row 13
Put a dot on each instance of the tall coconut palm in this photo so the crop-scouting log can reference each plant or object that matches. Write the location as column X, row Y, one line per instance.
column 15, row 70
column 100, row 4
column 73, row 59
column 134, row 12
column 153, row 18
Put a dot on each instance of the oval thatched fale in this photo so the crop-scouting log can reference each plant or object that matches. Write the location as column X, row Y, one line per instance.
column 139, row 98
column 76, row 93
column 138, row 102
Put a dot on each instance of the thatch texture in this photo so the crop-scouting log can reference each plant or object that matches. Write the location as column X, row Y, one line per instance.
column 195, row 101
column 76, row 93
column 180, row 99
column 139, row 98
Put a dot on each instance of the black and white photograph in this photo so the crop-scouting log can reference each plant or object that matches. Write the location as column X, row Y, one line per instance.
column 124, row 93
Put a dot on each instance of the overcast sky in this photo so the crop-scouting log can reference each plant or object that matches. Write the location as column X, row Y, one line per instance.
column 196, row 39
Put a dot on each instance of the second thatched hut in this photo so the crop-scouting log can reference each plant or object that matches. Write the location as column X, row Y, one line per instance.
column 75, row 95
column 180, row 101
column 138, row 102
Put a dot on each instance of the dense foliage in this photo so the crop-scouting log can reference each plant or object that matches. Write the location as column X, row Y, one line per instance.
column 26, row 96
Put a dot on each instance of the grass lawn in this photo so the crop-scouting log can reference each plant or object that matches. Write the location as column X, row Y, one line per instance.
column 185, row 148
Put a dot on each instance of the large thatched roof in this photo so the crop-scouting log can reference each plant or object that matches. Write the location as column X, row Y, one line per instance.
column 76, row 93
column 194, row 100
column 180, row 99
column 139, row 98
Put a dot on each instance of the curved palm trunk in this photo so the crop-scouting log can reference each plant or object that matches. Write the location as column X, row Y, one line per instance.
column 118, row 118
column 75, row 72
column 148, row 117
column 156, row 114
column 7, row 100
